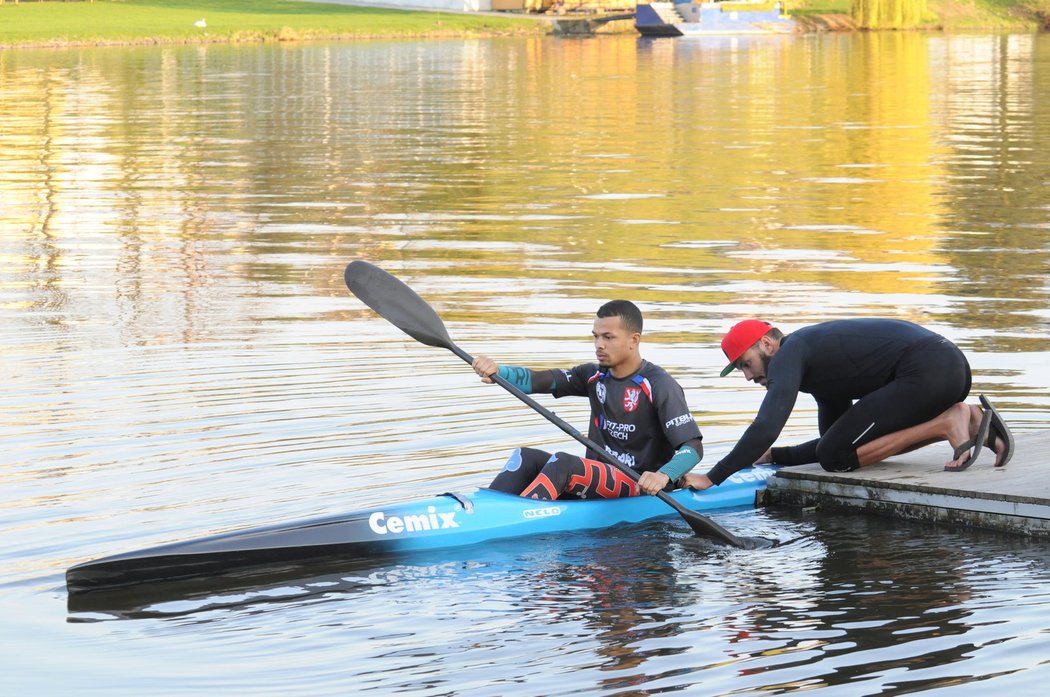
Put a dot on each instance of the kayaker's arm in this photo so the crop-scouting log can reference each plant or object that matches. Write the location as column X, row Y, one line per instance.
column 685, row 458
column 527, row 380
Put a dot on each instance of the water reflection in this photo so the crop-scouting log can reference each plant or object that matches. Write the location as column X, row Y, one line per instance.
column 868, row 175
column 912, row 607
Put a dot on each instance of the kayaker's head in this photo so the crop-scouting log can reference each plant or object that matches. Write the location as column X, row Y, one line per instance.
column 749, row 346
column 617, row 334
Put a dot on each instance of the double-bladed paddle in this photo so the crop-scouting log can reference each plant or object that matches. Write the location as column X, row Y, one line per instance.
column 402, row 307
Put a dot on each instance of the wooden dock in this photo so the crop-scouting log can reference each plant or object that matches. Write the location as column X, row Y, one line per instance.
column 915, row 486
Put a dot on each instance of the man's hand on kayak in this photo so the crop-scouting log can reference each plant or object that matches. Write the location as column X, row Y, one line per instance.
column 485, row 367
column 653, row 483
column 697, row 481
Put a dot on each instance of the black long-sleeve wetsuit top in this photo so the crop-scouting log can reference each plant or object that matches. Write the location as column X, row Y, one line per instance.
column 836, row 362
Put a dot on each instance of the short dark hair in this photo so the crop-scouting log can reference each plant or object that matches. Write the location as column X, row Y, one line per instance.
column 626, row 310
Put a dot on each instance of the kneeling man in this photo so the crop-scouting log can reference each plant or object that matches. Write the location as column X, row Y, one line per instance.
column 882, row 387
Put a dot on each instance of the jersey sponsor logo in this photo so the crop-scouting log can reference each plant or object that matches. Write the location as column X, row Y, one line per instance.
column 599, row 390
column 630, row 398
column 625, row 458
column 382, row 524
column 679, row 420
column 617, row 430
column 532, row 513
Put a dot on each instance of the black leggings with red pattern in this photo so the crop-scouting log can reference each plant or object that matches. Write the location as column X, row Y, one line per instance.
column 537, row 474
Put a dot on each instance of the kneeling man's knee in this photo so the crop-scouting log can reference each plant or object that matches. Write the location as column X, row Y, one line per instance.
column 836, row 459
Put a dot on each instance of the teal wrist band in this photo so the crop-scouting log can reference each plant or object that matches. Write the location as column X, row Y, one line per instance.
column 519, row 377
column 685, row 459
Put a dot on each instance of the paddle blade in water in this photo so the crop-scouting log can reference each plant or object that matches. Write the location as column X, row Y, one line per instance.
column 396, row 303
column 705, row 527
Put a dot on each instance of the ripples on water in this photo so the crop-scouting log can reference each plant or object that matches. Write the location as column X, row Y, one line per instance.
column 181, row 357
column 844, row 600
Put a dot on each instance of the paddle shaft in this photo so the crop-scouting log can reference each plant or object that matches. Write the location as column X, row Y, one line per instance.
column 708, row 524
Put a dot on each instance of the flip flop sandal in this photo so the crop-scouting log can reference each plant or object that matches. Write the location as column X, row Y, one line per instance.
column 998, row 430
column 975, row 443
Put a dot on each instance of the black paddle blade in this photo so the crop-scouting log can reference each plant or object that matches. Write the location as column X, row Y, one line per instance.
column 396, row 303
column 705, row 527
column 756, row 543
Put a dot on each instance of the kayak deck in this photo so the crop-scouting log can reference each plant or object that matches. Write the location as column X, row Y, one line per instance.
column 449, row 520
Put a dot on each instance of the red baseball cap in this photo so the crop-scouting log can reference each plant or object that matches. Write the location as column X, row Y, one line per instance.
column 740, row 338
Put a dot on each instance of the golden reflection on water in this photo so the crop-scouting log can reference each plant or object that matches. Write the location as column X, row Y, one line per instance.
column 797, row 177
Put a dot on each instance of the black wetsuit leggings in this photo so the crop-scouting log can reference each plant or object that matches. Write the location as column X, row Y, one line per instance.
column 930, row 377
column 537, row 474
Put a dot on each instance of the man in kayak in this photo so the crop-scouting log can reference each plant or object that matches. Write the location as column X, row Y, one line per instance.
column 638, row 412
column 908, row 382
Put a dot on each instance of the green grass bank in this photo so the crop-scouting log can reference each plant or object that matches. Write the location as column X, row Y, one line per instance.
column 119, row 22
column 128, row 22
column 942, row 15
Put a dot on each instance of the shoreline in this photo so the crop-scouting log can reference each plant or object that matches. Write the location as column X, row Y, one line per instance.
column 258, row 39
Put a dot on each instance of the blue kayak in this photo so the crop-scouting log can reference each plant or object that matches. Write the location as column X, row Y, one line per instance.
column 449, row 520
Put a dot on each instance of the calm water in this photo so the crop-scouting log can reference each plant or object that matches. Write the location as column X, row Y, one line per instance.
column 180, row 356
